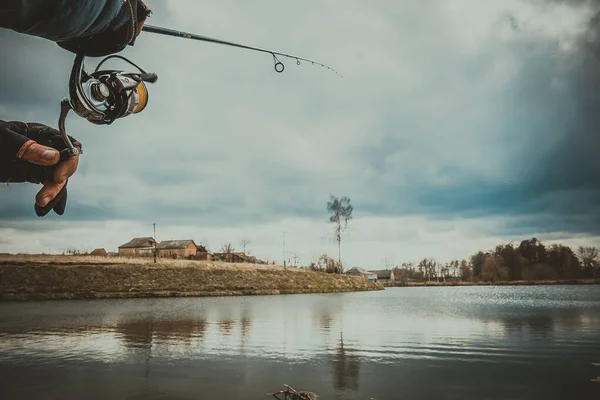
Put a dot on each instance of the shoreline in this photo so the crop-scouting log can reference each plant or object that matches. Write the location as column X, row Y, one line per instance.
column 25, row 278
column 559, row 282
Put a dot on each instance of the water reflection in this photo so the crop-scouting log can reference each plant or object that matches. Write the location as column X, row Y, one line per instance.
column 226, row 326
column 352, row 345
column 346, row 367
column 142, row 334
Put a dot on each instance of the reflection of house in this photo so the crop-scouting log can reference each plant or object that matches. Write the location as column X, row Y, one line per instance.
column 177, row 248
column 138, row 247
column 386, row 275
column 357, row 271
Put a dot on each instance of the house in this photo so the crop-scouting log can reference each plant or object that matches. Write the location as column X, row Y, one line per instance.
column 177, row 249
column 138, row 247
column 202, row 253
column 231, row 257
column 99, row 253
column 386, row 275
column 357, row 271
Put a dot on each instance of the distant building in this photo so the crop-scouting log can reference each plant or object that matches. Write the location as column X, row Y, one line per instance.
column 230, row 257
column 99, row 253
column 138, row 247
column 384, row 276
column 177, row 249
column 202, row 253
column 358, row 271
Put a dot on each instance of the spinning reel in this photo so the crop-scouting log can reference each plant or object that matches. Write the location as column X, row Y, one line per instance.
column 102, row 96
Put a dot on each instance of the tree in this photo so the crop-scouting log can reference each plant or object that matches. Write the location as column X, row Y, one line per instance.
column 293, row 260
column 494, row 270
column 533, row 251
column 244, row 244
column 466, row 273
column 564, row 261
column 341, row 212
column 513, row 260
column 589, row 258
column 228, row 250
column 477, row 261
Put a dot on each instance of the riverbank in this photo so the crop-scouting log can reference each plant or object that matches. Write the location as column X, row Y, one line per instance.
column 72, row 277
column 505, row 283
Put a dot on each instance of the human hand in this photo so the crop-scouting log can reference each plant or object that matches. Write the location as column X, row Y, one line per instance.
column 29, row 152
column 115, row 35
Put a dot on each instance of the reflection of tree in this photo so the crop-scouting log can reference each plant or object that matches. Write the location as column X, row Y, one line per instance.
column 180, row 331
column 136, row 334
column 542, row 325
column 226, row 326
column 346, row 368
column 246, row 324
column 141, row 334
column 325, row 321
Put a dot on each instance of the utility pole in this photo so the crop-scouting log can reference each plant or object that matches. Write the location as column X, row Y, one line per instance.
column 154, row 225
column 284, row 265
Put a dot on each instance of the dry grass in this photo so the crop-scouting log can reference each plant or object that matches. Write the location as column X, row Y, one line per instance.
column 25, row 277
column 91, row 260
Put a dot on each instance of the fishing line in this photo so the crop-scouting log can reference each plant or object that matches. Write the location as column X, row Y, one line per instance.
column 279, row 67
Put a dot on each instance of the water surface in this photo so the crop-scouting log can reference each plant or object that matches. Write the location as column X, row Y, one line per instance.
column 402, row 343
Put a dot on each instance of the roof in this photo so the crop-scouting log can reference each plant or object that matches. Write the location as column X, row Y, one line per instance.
column 383, row 274
column 137, row 242
column 175, row 244
column 201, row 248
column 358, row 270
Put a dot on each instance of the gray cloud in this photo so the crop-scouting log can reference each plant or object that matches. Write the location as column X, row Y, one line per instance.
column 439, row 118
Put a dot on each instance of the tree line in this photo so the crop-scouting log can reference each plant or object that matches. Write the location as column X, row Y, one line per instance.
column 530, row 260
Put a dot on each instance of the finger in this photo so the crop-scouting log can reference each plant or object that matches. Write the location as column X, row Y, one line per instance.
column 48, row 193
column 41, row 155
column 66, row 169
column 61, row 205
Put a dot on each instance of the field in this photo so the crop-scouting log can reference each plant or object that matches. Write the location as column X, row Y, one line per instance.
column 42, row 277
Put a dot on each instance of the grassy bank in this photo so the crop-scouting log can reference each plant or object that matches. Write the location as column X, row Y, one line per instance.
column 70, row 277
column 504, row 283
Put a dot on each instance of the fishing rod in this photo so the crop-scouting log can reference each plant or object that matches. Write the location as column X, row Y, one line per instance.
column 106, row 95
column 279, row 67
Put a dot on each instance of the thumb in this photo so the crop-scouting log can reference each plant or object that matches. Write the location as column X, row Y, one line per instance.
column 41, row 155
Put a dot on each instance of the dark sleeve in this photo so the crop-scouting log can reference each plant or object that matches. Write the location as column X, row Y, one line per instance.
column 11, row 141
column 90, row 27
column 61, row 20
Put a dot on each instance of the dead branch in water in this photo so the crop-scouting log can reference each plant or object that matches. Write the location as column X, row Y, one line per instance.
column 292, row 394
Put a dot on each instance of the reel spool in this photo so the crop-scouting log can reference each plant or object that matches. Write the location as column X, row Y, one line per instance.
column 103, row 96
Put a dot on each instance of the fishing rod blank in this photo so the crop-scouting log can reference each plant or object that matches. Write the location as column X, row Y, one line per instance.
column 279, row 67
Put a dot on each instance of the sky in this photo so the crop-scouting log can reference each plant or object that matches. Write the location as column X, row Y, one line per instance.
column 454, row 127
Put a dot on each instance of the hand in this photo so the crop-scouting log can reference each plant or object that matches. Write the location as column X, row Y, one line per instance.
column 47, row 156
column 29, row 152
column 116, row 35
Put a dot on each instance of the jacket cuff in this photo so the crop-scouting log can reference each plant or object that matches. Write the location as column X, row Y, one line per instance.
column 11, row 142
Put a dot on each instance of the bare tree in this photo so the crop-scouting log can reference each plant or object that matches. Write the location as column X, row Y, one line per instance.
column 341, row 212
column 293, row 260
column 589, row 257
column 244, row 244
column 228, row 250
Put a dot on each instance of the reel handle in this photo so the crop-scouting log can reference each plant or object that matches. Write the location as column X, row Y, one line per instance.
column 150, row 77
column 70, row 151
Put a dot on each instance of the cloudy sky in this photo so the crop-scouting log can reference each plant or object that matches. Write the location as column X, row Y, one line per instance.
column 457, row 125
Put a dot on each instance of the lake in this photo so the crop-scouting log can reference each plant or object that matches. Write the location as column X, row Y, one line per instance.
column 520, row 342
